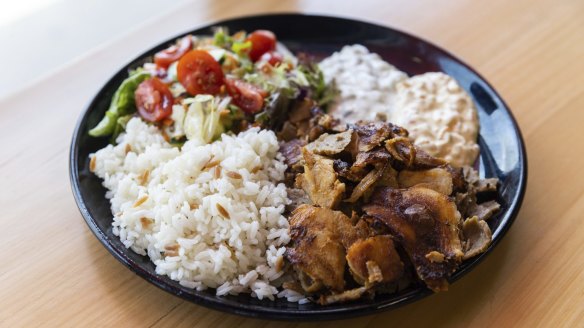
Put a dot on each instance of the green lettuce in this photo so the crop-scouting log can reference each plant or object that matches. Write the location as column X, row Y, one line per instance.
column 324, row 94
column 122, row 104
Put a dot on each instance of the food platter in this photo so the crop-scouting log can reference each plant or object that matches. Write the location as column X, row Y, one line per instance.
column 502, row 153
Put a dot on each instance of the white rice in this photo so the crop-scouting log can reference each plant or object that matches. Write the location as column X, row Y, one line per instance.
column 180, row 224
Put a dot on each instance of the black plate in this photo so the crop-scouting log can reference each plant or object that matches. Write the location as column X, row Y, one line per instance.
column 502, row 152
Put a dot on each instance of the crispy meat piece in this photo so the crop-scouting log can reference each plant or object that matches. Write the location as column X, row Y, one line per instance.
column 402, row 150
column 476, row 184
column 374, row 273
column 330, row 123
column 346, row 171
column 366, row 183
column 320, row 181
column 484, row 210
column 353, row 147
column 346, row 296
column 379, row 250
column 477, row 235
column 326, row 121
column 320, row 123
column 487, row 185
column 320, row 238
column 388, row 178
column 422, row 221
column 288, row 132
column 458, row 182
column 466, row 199
column 315, row 132
column 331, row 144
column 470, row 175
column 302, row 129
column 361, row 228
column 397, row 131
column 372, row 134
column 373, row 157
column 363, row 164
column 424, row 161
column 437, row 179
column 307, row 122
column 292, row 152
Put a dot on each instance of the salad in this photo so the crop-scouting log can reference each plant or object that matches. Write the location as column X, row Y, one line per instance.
column 201, row 87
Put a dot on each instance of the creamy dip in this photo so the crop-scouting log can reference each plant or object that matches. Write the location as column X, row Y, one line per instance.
column 440, row 116
column 367, row 83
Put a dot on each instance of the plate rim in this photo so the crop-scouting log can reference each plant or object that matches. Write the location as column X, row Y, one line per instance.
column 258, row 311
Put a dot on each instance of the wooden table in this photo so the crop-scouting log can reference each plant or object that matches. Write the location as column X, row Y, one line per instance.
column 54, row 272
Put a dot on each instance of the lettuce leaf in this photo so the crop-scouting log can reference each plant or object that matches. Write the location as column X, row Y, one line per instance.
column 122, row 104
column 324, row 94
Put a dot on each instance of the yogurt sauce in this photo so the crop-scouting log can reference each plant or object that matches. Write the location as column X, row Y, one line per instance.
column 367, row 83
column 440, row 116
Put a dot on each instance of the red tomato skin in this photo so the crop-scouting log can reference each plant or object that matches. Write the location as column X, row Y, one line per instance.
column 164, row 58
column 246, row 96
column 262, row 41
column 200, row 73
column 153, row 100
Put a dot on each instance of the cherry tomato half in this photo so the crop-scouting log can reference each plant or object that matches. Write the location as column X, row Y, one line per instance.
column 262, row 41
column 247, row 96
column 164, row 58
column 200, row 73
column 273, row 58
column 153, row 100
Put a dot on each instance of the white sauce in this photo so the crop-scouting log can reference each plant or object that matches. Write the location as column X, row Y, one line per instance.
column 438, row 113
column 367, row 83
column 440, row 116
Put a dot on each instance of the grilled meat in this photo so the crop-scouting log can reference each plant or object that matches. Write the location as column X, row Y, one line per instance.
column 377, row 251
column 320, row 238
column 320, row 180
column 331, row 144
column 407, row 210
column 477, row 236
column 459, row 184
column 366, row 185
column 484, row 210
column 346, row 296
column 402, row 151
column 437, row 179
column 425, row 222
column 292, row 152
column 424, row 161
column 364, row 162
column 466, row 199
column 372, row 134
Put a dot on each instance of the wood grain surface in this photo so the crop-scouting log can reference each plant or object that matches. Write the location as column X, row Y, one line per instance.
column 54, row 272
